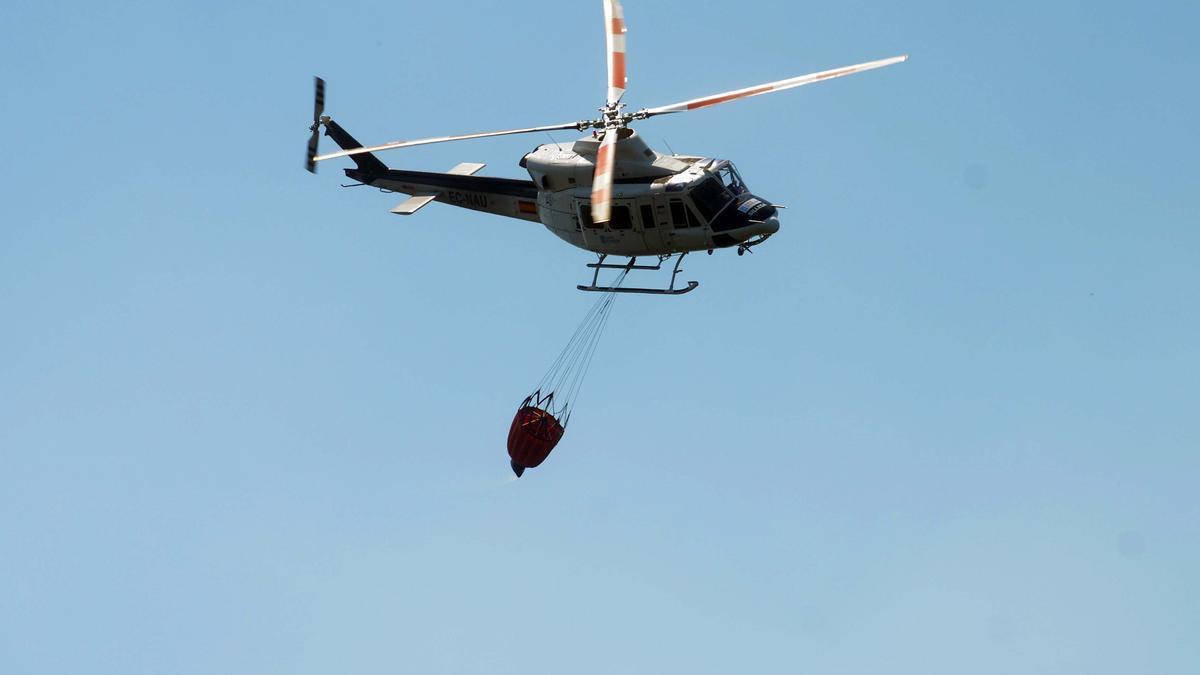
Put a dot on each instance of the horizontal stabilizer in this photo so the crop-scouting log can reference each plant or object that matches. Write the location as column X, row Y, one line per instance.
column 466, row 169
column 417, row 202
column 413, row 204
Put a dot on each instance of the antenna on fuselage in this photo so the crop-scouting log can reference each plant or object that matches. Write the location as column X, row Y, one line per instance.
column 673, row 154
column 554, row 141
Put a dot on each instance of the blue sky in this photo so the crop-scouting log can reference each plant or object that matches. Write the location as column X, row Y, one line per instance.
column 944, row 422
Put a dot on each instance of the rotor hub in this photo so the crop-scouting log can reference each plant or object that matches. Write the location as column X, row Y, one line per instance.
column 611, row 114
column 612, row 117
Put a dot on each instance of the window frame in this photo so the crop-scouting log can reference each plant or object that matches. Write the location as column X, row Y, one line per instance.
column 679, row 219
column 647, row 211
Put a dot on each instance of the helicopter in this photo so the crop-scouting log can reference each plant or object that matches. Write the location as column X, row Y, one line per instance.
column 608, row 193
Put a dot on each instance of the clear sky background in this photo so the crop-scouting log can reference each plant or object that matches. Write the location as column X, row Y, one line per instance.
column 944, row 422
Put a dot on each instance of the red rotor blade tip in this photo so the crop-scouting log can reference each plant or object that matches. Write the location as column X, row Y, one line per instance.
column 614, row 41
column 602, row 181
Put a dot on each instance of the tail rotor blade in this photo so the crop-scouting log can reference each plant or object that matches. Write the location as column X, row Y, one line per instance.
column 614, row 33
column 602, row 181
column 315, row 139
column 319, row 99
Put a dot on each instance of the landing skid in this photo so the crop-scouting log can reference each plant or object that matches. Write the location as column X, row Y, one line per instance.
column 633, row 266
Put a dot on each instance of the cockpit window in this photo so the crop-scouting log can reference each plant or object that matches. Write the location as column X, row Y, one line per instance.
column 731, row 179
column 710, row 197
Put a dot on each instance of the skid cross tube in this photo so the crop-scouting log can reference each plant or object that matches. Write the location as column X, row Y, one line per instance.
column 632, row 265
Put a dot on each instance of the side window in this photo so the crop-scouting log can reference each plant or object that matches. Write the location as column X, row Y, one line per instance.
column 585, row 216
column 647, row 217
column 693, row 221
column 678, row 214
column 620, row 219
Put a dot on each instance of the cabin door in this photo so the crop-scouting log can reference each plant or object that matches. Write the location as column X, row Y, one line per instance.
column 652, row 224
column 619, row 235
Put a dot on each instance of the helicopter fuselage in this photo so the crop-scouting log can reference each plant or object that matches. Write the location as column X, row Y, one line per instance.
column 661, row 204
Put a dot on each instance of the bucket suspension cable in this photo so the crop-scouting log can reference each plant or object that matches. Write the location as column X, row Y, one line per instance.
column 561, row 384
column 542, row 417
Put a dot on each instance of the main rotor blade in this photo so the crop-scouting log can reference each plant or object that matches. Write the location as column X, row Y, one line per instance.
column 602, row 180
column 770, row 87
column 444, row 139
column 614, row 38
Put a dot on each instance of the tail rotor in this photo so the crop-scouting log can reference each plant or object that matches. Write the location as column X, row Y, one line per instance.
column 318, row 109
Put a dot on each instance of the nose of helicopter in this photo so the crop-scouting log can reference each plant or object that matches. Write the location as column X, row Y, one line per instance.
column 763, row 228
column 759, row 216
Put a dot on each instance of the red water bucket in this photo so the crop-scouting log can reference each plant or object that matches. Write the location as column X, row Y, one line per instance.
column 533, row 434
